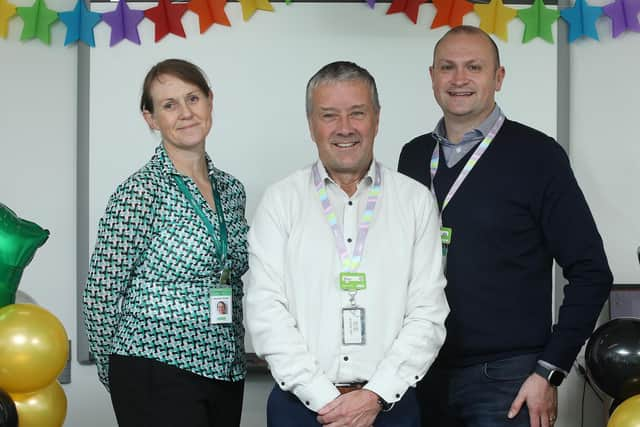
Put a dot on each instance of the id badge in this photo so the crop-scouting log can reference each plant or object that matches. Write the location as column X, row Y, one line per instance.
column 353, row 326
column 445, row 234
column 220, row 305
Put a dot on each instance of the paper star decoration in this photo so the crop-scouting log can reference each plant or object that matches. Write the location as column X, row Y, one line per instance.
column 167, row 16
column 624, row 16
column 7, row 10
column 80, row 23
column 209, row 12
column 581, row 19
column 538, row 20
column 37, row 21
column 494, row 17
column 124, row 23
column 249, row 7
column 409, row 7
column 450, row 12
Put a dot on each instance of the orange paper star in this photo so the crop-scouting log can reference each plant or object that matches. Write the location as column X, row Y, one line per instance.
column 7, row 10
column 450, row 12
column 167, row 16
column 409, row 7
column 249, row 7
column 494, row 17
column 209, row 12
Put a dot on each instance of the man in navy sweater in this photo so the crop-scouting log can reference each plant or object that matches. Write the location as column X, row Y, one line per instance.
column 510, row 206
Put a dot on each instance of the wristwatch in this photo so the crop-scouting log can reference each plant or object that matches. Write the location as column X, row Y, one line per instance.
column 384, row 405
column 554, row 376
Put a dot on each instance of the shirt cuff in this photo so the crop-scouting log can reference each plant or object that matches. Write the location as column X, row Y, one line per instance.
column 388, row 387
column 316, row 394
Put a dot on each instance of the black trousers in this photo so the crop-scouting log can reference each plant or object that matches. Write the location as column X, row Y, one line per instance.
column 147, row 393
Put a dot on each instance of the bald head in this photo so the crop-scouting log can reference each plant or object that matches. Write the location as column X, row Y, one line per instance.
column 471, row 31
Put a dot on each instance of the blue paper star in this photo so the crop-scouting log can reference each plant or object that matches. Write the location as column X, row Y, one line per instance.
column 582, row 20
column 80, row 22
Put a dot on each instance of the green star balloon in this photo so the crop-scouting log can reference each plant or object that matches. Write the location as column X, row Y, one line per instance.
column 19, row 240
column 538, row 20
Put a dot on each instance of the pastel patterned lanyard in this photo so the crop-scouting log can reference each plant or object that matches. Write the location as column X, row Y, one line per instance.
column 479, row 151
column 349, row 263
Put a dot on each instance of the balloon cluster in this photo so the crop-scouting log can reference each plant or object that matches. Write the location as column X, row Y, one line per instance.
column 33, row 342
column 613, row 363
column 33, row 352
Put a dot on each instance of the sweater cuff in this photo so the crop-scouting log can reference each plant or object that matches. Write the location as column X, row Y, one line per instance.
column 548, row 365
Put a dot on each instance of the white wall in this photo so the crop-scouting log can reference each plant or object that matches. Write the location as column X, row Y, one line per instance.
column 38, row 164
column 605, row 152
column 605, row 142
column 38, row 175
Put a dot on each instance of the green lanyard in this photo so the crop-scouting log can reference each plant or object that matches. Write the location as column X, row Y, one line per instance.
column 220, row 244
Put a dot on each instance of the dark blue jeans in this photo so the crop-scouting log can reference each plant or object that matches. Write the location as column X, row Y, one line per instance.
column 475, row 396
column 285, row 410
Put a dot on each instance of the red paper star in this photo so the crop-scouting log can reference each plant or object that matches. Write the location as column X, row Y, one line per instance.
column 209, row 12
column 167, row 16
column 450, row 12
column 409, row 7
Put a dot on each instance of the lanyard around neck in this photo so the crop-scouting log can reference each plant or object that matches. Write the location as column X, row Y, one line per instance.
column 349, row 263
column 479, row 151
column 220, row 244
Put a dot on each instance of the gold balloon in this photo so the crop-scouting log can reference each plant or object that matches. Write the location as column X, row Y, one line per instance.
column 46, row 407
column 33, row 348
column 627, row 414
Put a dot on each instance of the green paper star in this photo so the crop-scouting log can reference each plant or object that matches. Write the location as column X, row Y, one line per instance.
column 37, row 21
column 538, row 20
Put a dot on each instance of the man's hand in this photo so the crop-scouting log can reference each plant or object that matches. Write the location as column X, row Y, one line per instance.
column 354, row 409
column 541, row 399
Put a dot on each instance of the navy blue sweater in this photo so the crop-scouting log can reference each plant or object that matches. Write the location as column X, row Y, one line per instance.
column 518, row 210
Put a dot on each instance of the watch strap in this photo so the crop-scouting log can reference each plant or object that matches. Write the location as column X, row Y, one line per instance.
column 553, row 376
column 384, row 405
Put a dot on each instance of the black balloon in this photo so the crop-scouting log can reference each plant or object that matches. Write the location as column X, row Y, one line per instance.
column 8, row 413
column 613, row 358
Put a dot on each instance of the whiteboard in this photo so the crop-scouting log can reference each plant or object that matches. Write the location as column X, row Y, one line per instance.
column 258, row 71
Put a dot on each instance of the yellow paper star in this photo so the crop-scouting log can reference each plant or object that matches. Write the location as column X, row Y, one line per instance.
column 494, row 17
column 7, row 10
column 249, row 7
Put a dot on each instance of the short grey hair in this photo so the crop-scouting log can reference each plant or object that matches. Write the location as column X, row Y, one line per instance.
column 341, row 71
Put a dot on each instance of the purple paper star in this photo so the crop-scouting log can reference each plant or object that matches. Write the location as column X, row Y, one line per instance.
column 624, row 16
column 124, row 23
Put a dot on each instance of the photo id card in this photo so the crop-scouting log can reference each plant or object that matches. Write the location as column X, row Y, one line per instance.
column 353, row 326
column 220, row 307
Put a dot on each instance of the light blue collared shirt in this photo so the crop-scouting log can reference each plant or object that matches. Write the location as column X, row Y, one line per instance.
column 454, row 152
